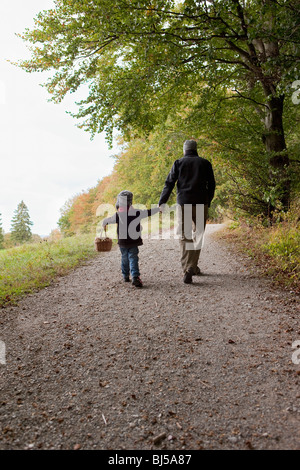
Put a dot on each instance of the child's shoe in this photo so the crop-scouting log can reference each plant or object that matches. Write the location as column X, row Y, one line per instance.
column 137, row 282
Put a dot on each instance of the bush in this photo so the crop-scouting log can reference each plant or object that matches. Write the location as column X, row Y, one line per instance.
column 284, row 247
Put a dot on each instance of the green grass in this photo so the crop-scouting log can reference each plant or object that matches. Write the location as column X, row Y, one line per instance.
column 28, row 267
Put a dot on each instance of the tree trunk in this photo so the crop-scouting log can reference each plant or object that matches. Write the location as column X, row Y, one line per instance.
column 275, row 145
column 274, row 133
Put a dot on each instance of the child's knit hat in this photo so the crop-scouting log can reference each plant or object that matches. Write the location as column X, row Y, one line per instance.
column 124, row 199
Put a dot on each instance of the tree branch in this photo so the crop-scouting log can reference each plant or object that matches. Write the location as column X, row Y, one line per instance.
column 245, row 28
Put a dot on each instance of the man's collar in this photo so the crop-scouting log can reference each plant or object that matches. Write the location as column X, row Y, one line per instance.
column 191, row 153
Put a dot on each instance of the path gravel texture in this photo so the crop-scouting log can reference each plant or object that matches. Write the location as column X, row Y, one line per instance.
column 95, row 363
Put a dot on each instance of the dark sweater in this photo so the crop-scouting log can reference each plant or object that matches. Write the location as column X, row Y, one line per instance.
column 128, row 225
column 195, row 181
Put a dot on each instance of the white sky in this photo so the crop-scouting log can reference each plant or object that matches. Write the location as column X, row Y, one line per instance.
column 44, row 158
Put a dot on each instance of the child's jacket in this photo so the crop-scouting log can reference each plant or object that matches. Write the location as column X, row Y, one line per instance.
column 128, row 225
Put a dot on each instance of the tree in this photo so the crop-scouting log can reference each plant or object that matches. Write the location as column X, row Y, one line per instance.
column 1, row 234
column 20, row 224
column 146, row 61
column 64, row 221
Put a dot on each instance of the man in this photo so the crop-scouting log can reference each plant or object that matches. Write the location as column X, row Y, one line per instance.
column 195, row 190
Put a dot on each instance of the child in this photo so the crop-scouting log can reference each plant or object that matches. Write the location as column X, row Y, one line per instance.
column 128, row 220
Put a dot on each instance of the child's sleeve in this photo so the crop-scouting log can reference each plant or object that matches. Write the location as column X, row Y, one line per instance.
column 110, row 220
column 148, row 212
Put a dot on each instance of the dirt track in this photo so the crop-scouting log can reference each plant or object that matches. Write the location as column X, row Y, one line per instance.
column 94, row 363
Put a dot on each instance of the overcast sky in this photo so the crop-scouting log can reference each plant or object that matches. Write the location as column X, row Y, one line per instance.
column 45, row 159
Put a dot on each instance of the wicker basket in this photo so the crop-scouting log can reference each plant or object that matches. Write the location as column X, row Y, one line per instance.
column 103, row 243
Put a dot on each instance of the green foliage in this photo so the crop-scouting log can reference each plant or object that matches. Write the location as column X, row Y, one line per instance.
column 283, row 243
column 220, row 71
column 145, row 163
column 64, row 222
column 31, row 266
column 8, row 241
column 275, row 248
column 142, row 60
column 20, row 224
column 1, row 235
column 284, row 246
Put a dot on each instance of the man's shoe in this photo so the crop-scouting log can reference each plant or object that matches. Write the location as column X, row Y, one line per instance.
column 198, row 272
column 188, row 277
column 137, row 282
column 126, row 279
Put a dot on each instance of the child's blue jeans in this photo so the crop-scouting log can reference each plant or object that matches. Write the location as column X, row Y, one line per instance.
column 130, row 261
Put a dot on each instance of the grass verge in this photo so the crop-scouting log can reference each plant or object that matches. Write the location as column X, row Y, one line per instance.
column 274, row 250
column 29, row 267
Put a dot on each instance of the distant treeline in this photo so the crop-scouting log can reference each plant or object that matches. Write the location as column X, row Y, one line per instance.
column 243, row 187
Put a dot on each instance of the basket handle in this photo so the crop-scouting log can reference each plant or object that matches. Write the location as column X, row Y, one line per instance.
column 101, row 232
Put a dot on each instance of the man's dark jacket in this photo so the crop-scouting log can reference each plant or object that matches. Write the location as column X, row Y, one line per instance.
column 195, row 181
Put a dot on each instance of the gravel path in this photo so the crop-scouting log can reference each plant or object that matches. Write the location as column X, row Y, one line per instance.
column 94, row 363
